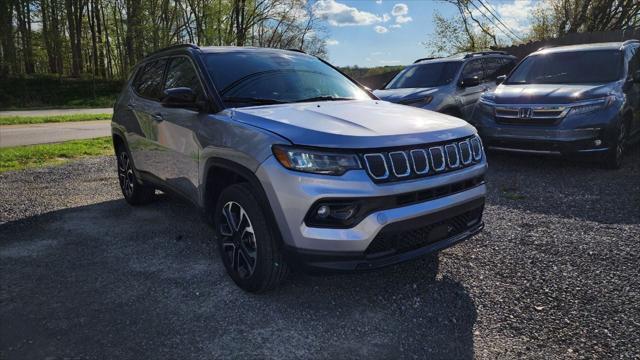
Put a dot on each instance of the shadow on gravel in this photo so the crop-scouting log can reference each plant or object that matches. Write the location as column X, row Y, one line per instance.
column 571, row 188
column 111, row 281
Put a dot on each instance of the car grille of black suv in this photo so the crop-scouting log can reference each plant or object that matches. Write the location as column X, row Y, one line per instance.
column 390, row 240
column 421, row 161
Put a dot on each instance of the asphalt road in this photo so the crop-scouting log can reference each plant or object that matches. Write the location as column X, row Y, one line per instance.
column 54, row 112
column 554, row 275
column 14, row 135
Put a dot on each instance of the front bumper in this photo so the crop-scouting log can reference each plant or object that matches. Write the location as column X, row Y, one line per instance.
column 291, row 195
column 399, row 242
column 574, row 134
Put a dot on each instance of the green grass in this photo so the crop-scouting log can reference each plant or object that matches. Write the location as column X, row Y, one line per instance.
column 18, row 120
column 23, row 157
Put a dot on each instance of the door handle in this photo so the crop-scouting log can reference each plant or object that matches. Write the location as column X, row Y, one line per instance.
column 157, row 117
column 130, row 106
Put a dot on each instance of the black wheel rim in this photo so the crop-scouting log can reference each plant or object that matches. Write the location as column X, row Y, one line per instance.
column 238, row 239
column 622, row 134
column 125, row 174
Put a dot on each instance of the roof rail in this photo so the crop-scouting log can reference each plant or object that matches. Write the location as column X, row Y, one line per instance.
column 177, row 46
column 296, row 50
column 424, row 59
column 631, row 41
column 480, row 53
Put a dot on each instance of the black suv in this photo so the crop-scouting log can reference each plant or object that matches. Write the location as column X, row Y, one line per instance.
column 581, row 99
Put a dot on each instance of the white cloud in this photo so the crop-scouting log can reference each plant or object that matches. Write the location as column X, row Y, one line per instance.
column 338, row 14
column 400, row 9
column 401, row 19
column 389, row 61
column 378, row 1
column 380, row 29
column 332, row 42
column 395, row 26
column 385, row 17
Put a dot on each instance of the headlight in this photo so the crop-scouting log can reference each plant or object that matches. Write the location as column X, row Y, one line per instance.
column 592, row 105
column 418, row 101
column 315, row 161
column 487, row 104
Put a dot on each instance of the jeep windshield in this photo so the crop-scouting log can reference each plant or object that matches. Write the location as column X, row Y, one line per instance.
column 248, row 79
column 576, row 67
column 424, row 76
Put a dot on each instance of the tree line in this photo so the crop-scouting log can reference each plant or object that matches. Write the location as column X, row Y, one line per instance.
column 105, row 38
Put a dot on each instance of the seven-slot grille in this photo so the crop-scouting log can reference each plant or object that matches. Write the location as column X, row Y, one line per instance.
column 395, row 165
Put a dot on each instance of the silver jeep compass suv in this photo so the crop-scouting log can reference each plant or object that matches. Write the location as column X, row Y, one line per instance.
column 295, row 164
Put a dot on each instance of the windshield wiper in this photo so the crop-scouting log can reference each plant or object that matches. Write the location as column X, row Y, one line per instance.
column 251, row 100
column 324, row 98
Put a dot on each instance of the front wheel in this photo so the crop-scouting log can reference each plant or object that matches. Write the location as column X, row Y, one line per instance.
column 614, row 157
column 246, row 241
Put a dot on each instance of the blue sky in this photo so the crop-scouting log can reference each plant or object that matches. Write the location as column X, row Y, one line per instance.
column 386, row 32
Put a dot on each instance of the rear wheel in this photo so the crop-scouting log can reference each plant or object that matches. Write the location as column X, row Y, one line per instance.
column 246, row 241
column 135, row 193
column 615, row 155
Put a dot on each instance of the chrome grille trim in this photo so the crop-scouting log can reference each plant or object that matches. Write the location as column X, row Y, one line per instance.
column 420, row 161
column 384, row 161
column 476, row 141
column 444, row 161
column 426, row 161
column 455, row 149
column 393, row 166
column 467, row 145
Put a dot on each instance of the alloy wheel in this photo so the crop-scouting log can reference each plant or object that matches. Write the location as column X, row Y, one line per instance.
column 125, row 174
column 238, row 239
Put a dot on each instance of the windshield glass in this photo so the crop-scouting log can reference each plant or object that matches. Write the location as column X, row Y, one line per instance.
column 250, row 78
column 427, row 75
column 579, row 67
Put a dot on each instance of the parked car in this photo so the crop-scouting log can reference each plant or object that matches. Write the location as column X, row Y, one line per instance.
column 582, row 99
column 295, row 164
column 450, row 85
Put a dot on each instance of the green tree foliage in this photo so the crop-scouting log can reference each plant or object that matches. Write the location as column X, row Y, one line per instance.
column 105, row 38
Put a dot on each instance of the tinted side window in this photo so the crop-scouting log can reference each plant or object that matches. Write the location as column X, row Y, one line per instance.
column 182, row 74
column 473, row 68
column 492, row 68
column 148, row 82
column 634, row 61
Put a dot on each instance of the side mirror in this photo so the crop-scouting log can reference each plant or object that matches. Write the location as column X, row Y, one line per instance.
column 179, row 97
column 500, row 79
column 469, row 82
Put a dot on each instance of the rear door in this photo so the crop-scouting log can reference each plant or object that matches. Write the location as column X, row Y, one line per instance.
column 470, row 95
column 177, row 131
column 145, row 107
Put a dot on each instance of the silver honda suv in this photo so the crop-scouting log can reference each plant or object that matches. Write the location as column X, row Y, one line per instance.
column 296, row 164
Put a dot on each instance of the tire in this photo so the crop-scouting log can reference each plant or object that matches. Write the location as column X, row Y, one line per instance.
column 615, row 156
column 134, row 192
column 247, row 242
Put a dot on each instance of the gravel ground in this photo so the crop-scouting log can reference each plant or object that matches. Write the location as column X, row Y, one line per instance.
column 554, row 275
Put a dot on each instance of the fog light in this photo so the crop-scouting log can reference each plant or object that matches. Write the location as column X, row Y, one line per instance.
column 323, row 211
column 597, row 142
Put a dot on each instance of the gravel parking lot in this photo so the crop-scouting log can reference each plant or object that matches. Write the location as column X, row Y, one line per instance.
column 555, row 274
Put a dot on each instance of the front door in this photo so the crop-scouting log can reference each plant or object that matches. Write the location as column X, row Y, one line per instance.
column 469, row 95
column 177, row 129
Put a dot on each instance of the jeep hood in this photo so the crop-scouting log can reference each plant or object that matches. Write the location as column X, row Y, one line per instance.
column 399, row 95
column 549, row 94
column 354, row 123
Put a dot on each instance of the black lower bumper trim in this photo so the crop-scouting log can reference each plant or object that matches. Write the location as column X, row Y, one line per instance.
column 321, row 261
